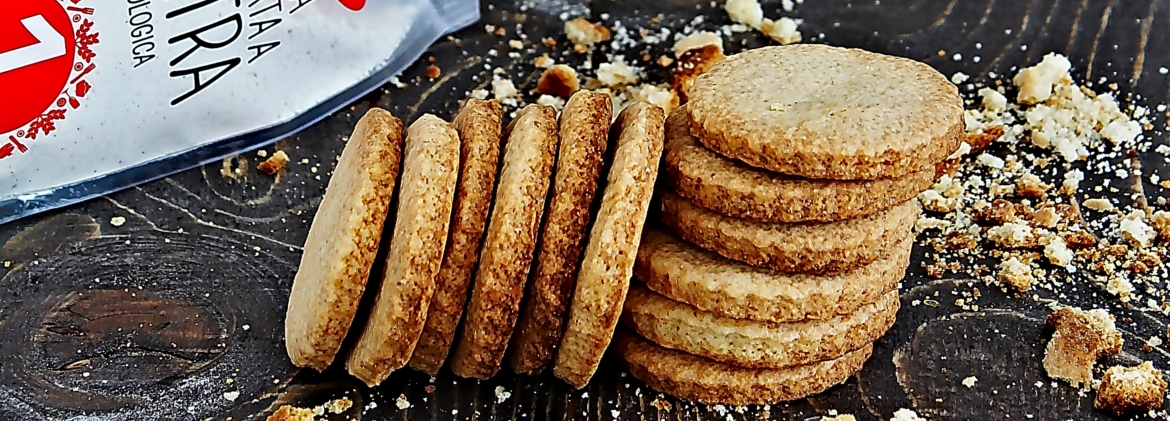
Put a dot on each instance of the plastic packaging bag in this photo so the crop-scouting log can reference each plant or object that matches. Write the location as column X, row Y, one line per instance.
column 99, row 95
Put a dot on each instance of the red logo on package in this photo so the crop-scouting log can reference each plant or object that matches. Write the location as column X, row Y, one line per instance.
column 354, row 5
column 44, row 57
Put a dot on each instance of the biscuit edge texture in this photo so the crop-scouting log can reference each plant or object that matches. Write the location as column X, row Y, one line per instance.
column 429, row 173
column 479, row 127
column 509, row 243
column 319, row 315
column 584, row 130
column 607, row 264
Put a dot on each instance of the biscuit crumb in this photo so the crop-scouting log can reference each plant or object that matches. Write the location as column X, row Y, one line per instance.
column 1015, row 273
column 1031, row 187
column 402, row 402
column 551, row 101
column 234, row 168
column 502, row 395
column 1135, row 230
column 747, row 12
column 661, row 404
column 617, row 73
column 480, row 94
column 503, row 89
column 992, row 100
column 1036, row 82
column 783, row 31
column 698, row 40
column 1012, row 234
column 1045, row 217
column 338, row 405
column 1131, row 389
column 1057, row 252
column 292, row 413
column 543, row 62
column 1080, row 339
column 1160, row 221
column 843, row 417
column 433, row 72
column 231, row 396
column 664, row 61
column 970, row 381
column 998, row 212
column 584, row 34
column 559, row 80
column 906, row 415
column 1100, row 205
column 274, row 163
column 691, row 64
column 117, row 221
column 660, row 96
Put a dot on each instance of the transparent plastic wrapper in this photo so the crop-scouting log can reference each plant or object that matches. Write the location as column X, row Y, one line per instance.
column 100, row 95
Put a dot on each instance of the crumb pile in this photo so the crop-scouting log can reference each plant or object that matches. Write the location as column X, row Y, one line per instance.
column 1050, row 187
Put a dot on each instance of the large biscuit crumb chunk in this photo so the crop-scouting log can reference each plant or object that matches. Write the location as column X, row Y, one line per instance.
column 1080, row 339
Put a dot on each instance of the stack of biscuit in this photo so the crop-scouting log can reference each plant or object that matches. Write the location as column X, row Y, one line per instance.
column 792, row 175
column 552, row 206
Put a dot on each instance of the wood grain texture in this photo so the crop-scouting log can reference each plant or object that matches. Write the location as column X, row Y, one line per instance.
column 65, row 275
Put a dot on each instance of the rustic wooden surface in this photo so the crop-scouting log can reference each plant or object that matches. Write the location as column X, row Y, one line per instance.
column 157, row 318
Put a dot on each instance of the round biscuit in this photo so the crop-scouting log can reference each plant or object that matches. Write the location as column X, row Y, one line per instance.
column 825, row 112
column 683, row 272
column 735, row 189
column 815, row 248
column 750, row 343
column 429, row 174
column 698, row 379
column 506, row 255
column 478, row 124
column 343, row 241
column 584, row 129
column 608, row 262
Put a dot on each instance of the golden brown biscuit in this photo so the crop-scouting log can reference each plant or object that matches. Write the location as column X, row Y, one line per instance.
column 815, row 248
column 608, row 261
column 478, row 124
column 342, row 242
column 755, row 344
column 584, row 127
column 737, row 190
column 506, row 256
column 699, row 379
column 429, row 174
column 806, row 110
column 685, row 273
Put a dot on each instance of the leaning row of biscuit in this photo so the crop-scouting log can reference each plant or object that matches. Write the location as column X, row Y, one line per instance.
column 472, row 230
column 792, row 175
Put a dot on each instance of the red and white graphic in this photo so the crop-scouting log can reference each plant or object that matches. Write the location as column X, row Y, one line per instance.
column 354, row 5
column 45, row 55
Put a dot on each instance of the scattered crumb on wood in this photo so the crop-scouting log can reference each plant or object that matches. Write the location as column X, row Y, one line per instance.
column 1081, row 337
column 234, row 168
column 559, row 80
column 1131, row 389
column 274, row 163
column 338, row 405
column 292, row 413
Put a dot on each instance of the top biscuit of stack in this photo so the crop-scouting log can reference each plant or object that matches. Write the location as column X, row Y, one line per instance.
column 824, row 112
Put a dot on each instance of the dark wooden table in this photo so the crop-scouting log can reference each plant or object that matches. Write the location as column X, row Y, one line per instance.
column 159, row 317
